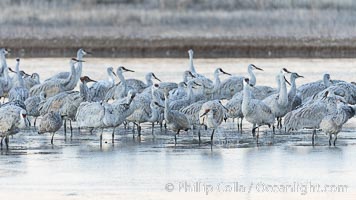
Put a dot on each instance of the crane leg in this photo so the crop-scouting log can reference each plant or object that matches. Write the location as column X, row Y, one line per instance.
column 335, row 140
column 34, row 123
column 1, row 142
column 52, row 138
column 175, row 137
column 71, row 128
column 65, row 127
column 241, row 125
column 330, row 138
column 212, row 138
column 139, row 130
column 101, row 137
column 153, row 129
column 113, row 135
column 161, row 126
column 313, row 137
column 7, row 142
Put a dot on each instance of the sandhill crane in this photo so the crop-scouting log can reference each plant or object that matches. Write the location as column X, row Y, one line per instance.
column 3, row 64
column 103, row 115
column 142, row 106
column 78, row 70
column 5, row 80
column 53, row 87
column 212, row 114
column 99, row 89
column 311, row 113
column 175, row 120
column 294, row 100
column 254, row 110
column 67, row 103
column 278, row 103
column 18, row 90
column 50, row 122
column 120, row 90
column 192, row 113
column 32, row 80
column 343, row 89
column 12, row 119
column 179, row 92
column 185, row 101
column 217, row 84
column 310, row 89
column 234, row 109
column 229, row 87
column 187, row 75
column 14, row 79
column 139, row 85
column 333, row 122
column 32, row 105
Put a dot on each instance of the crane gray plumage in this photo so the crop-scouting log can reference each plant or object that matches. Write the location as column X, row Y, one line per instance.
column 343, row 89
column 5, row 80
column 18, row 91
column 32, row 80
column 294, row 100
column 308, row 90
column 333, row 122
column 99, row 89
column 234, row 109
column 254, row 110
column 175, row 120
column 50, row 123
column 32, row 105
column 186, row 100
column 231, row 86
column 139, row 85
column 179, row 92
column 212, row 114
column 102, row 115
column 12, row 119
column 218, row 90
column 278, row 103
column 78, row 70
column 53, row 87
column 310, row 114
column 120, row 90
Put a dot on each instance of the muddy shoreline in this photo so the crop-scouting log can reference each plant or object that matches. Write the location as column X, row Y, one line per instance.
column 177, row 47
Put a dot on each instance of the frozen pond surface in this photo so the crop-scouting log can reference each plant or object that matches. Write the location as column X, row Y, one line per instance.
column 153, row 168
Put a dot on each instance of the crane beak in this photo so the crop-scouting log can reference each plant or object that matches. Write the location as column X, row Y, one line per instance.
column 257, row 68
column 77, row 60
column 286, row 70
column 128, row 70
column 196, row 83
column 286, row 80
column 7, row 51
column 225, row 72
column 114, row 73
column 191, row 74
column 299, row 76
column 91, row 80
column 185, row 84
column 11, row 70
column 206, row 112
column 88, row 53
column 159, row 105
column 154, row 76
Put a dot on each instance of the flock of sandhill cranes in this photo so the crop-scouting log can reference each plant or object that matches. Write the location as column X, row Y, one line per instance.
column 195, row 102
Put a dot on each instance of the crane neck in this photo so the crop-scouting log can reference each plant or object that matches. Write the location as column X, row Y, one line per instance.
column 70, row 82
column 252, row 76
column 191, row 65
column 149, row 81
column 84, row 91
column 79, row 68
column 19, row 77
column 326, row 81
column 283, row 97
column 246, row 95
column 166, row 106
column 293, row 89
